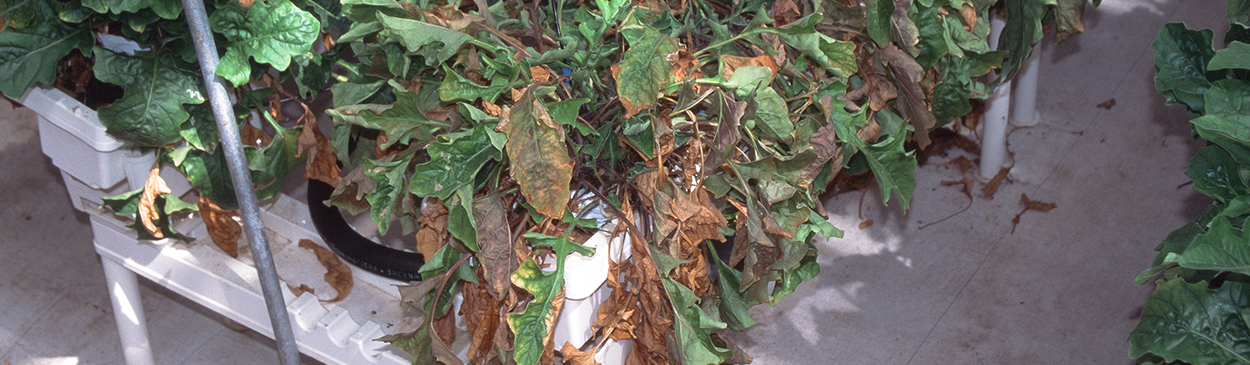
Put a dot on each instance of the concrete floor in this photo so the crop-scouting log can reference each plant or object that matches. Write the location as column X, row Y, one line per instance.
column 943, row 284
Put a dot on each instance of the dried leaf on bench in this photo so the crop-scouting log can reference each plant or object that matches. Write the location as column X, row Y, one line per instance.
column 992, row 186
column 574, row 356
column 301, row 289
column 148, row 212
column 222, row 227
column 338, row 275
column 968, row 183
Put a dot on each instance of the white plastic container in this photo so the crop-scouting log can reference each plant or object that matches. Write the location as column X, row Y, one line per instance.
column 72, row 135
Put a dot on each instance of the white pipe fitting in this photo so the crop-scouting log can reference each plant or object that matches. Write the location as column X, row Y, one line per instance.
column 994, row 126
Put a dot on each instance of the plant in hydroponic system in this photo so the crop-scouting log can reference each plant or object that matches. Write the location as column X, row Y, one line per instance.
column 1197, row 313
column 489, row 129
column 162, row 107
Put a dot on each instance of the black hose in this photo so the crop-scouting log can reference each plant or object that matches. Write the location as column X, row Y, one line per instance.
column 351, row 246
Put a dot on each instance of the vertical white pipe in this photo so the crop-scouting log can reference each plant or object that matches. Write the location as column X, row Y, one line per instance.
column 994, row 126
column 1024, row 93
column 132, row 327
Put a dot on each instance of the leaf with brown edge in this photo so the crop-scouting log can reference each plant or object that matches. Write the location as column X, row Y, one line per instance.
column 907, row 74
column 338, row 274
column 351, row 192
column 644, row 68
column 148, row 212
column 731, row 63
column 825, row 143
column 222, row 227
column 494, row 237
column 539, row 156
column 574, row 356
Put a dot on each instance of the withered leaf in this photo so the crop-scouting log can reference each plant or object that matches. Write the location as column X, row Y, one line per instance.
column 350, row 194
column 968, row 183
column 338, row 274
column 322, row 164
column 491, row 109
column 644, row 68
column 731, row 63
column 252, row 136
column 445, row 328
column 540, row 158
column 1107, row 104
column 222, row 227
column 573, row 356
column 1036, row 205
column 969, row 14
column 540, row 73
column 907, row 73
column 433, row 234
column 481, row 316
column 148, row 212
column 494, row 237
column 785, row 11
column 301, row 289
column 963, row 162
column 865, row 224
column 825, row 143
column 992, row 186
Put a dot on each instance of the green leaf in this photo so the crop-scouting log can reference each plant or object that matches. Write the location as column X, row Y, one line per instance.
column 210, row 177
column 163, row 8
column 20, row 13
column 1238, row 12
column 733, row 308
column 950, row 96
column 1181, row 58
column 879, row 12
column 29, row 55
column 1068, row 18
column 454, row 162
column 150, row 112
column 1194, row 324
column 389, row 177
column 834, row 55
column 419, row 37
column 271, row 164
column 532, row 325
column 270, row 32
column 457, row 87
column 773, row 115
column 1023, row 30
column 1216, row 174
column 644, row 68
column 538, row 154
column 691, row 328
column 1180, row 239
column 892, row 166
column 566, row 112
column 1227, row 117
column 401, row 122
column 932, row 45
column 460, row 219
column 1221, row 248
column 1235, row 56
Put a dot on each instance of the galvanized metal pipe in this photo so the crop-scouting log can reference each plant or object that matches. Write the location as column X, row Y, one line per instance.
column 206, row 51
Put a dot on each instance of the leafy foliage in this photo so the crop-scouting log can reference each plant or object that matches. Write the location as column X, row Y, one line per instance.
column 1196, row 313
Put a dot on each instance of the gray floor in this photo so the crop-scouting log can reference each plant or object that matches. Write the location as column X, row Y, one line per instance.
column 939, row 285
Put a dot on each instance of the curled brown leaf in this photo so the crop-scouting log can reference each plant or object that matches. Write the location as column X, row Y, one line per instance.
column 148, row 211
column 222, row 227
column 338, row 274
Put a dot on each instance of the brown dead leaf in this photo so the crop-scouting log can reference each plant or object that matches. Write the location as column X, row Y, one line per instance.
column 942, row 140
column 540, row 73
column 969, row 14
column 1036, row 205
column 433, row 234
column 865, row 224
column 1029, row 205
column 321, row 164
column 442, row 113
column 968, row 183
column 338, row 274
column 252, row 136
column 491, row 109
column 222, row 227
column 1107, row 104
column 992, row 186
column 685, row 67
column 963, row 162
column 301, row 289
column 785, row 11
column 481, row 316
column 732, row 63
column 246, row 3
column 573, row 356
column 445, row 327
column 148, row 211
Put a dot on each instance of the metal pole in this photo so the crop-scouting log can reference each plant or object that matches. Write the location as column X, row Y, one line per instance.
column 206, row 51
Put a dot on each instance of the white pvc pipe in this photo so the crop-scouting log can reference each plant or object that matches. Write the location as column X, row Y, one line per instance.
column 132, row 327
column 994, row 126
column 1024, row 93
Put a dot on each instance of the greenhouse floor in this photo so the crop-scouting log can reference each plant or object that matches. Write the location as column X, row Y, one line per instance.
column 951, row 282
